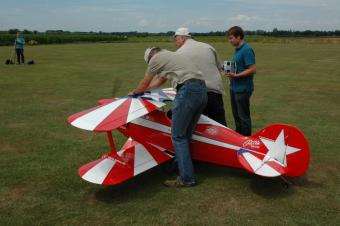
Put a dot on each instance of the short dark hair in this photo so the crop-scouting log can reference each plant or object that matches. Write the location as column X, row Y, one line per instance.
column 153, row 52
column 236, row 31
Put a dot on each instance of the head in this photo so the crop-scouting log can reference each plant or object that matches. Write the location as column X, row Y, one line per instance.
column 235, row 36
column 150, row 52
column 18, row 34
column 181, row 35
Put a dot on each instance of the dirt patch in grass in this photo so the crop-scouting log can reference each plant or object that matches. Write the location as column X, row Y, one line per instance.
column 12, row 195
column 18, row 125
column 8, row 148
column 21, row 147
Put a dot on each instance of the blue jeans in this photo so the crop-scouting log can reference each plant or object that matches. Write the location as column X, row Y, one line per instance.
column 215, row 108
column 20, row 55
column 240, row 104
column 187, row 107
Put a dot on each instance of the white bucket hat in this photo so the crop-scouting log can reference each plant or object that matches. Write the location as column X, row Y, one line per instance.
column 183, row 31
column 147, row 53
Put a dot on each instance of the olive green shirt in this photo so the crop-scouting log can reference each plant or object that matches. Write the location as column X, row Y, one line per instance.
column 205, row 58
column 174, row 67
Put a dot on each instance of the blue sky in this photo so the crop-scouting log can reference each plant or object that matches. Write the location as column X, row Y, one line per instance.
column 168, row 15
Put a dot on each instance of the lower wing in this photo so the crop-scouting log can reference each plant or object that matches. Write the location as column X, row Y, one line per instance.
column 135, row 158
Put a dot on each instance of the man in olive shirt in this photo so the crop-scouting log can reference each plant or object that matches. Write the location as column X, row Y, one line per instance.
column 190, row 100
column 206, row 60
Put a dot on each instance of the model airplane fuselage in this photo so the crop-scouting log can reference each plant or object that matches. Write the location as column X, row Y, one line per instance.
column 277, row 150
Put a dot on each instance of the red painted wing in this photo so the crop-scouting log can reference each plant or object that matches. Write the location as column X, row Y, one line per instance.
column 113, row 114
column 135, row 159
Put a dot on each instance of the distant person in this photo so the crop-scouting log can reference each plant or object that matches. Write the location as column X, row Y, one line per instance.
column 241, row 82
column 189, row 102
column 205, row 59
column 19, row 48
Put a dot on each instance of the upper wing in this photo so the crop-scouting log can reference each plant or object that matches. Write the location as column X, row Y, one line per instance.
column 113, row 114
column 116, row 112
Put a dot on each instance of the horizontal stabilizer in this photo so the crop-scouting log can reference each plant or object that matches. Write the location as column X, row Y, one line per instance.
column 266, row 168
column 134, row 159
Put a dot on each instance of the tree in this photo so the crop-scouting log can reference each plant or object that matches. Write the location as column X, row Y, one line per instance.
column 13, row 31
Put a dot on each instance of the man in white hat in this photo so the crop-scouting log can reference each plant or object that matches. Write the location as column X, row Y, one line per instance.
column 190, row 100
column 205, row 58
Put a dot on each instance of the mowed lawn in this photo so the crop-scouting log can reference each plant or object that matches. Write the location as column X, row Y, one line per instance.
column 40, row 152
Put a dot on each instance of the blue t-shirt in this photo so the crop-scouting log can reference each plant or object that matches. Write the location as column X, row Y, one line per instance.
column 244, row 57
column 19, row 43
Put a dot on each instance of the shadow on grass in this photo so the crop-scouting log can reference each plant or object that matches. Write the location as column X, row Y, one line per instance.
column 278, row 187
column 146, row 185
column 270, row 188
column 306, row 182
column 208, row 170
column 143, row 186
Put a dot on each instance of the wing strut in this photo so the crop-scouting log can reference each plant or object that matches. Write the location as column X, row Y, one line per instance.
column 113, row 154
column 112, row 143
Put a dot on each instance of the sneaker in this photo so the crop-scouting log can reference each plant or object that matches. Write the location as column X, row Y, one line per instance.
column 177, row 184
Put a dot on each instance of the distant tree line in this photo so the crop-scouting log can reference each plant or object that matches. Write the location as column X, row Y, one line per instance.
column 278, row 33
column 61, row 36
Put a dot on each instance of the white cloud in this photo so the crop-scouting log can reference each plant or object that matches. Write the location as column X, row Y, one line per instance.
column 143, row 23
column 297, row 3
column 199, row 22
column 244, row 18
column 198, row 15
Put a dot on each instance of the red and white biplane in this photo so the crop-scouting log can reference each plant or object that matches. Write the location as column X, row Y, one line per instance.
column 277, row 150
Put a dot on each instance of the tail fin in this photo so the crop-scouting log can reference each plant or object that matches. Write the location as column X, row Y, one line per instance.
column 281, row 150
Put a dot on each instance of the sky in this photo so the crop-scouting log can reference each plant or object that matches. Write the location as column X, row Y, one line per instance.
column 168, row 15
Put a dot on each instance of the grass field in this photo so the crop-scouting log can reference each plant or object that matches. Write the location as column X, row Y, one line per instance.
column 296, row 83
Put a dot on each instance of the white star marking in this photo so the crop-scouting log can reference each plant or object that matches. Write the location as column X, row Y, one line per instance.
column 278, row 149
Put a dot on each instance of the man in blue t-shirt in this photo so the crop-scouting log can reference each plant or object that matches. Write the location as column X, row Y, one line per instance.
column 19, row 48
column 241, row 82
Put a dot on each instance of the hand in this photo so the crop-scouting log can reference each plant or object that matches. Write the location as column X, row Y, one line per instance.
column 134, row 93
column 131, row 93
column 231, row 75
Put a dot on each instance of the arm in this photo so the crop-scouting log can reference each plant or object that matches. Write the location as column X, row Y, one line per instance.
column 249, row 71
column 19, row 41
column 156, row 82
column 217, row 60
column 148, row 82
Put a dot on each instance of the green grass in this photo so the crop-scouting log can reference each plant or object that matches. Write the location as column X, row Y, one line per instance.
column 297, row 83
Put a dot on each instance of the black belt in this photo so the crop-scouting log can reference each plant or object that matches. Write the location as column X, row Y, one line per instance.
column 189, row 80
